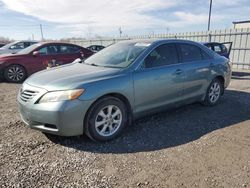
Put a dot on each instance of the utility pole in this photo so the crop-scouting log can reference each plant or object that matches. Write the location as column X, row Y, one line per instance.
column 120, row 31
column 41, row 29
column 209, row 17
column 167, row 30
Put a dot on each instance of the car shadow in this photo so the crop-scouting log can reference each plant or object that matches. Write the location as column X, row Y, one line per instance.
column 171, row 128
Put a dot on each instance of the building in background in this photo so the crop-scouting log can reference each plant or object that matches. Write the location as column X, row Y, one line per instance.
column 242, row 24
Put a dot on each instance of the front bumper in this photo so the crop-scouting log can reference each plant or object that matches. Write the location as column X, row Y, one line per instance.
column 64, row 118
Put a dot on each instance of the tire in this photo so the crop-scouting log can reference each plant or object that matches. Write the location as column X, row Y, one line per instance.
column 15, row 74
column 106, row 119
column 214, row 93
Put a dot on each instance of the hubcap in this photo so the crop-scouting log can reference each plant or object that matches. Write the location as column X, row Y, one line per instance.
column 214, row 92
column 15, row 73
column 108, row 120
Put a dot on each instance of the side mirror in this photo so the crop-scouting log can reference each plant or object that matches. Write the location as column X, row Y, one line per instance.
column 35, row 53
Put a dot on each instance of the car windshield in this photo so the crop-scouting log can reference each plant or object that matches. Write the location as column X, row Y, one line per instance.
column 29, row 49
column 118, row 55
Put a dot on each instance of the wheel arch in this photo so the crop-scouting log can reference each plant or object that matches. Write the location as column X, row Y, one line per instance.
column 222, row 80
column 7, row 66
column 119, row 96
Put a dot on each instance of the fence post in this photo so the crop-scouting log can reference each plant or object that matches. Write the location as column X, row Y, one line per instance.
column 209, row 37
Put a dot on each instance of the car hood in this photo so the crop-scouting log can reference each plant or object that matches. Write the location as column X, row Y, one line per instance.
column 4, row 51
column 70, row 76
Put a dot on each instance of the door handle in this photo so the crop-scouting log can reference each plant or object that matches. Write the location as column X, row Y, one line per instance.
column 178, row 71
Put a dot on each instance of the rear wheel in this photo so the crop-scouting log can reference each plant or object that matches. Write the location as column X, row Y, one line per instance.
column 15, row 74
column 106, row 119
column 214, row 93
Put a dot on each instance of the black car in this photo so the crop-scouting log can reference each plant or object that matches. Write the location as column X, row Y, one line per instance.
column 2, row 44
column 95, row 48
column 223, row 49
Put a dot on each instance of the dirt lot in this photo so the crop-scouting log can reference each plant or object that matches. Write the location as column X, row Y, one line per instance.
column 193, row 146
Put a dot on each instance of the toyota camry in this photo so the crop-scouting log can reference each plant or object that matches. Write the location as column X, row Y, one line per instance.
column 103, row 94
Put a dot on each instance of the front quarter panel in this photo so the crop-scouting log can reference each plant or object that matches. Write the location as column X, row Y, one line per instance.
column 119, row 84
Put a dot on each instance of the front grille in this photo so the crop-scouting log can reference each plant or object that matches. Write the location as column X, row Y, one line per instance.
column 27, row 95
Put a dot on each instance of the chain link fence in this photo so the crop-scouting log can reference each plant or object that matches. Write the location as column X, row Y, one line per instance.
column 240, row 53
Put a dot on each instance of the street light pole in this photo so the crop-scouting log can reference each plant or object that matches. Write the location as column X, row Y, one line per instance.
column 41, row 29
column 209, row 17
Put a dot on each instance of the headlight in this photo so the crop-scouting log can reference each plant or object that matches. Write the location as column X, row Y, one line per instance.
column 55, row 96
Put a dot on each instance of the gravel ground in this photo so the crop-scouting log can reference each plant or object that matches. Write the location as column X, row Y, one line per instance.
column 193, row 146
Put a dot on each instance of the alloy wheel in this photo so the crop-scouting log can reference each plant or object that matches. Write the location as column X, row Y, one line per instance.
column 15, row 73
column 108, row 120
column 214, row 92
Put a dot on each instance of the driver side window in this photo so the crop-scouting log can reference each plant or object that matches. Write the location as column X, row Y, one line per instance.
column 165, row 54
column 48, row 50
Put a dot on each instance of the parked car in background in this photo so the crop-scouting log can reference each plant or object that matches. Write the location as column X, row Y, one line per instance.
column 222, row 49
column 2, row 44
column 95, row 48
column 16, row 67
column 15, row 47
column 123, row 81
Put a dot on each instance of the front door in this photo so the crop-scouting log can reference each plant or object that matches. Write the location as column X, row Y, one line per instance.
column 158, row 82
column 46, row 55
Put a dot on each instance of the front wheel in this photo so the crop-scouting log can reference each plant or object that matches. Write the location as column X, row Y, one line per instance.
column 15, row 74
column 214, row 93
column 106, row 119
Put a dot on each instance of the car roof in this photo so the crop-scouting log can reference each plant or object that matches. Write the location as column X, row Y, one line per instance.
column 56, row 42
column 204, row 43
column 159, row 41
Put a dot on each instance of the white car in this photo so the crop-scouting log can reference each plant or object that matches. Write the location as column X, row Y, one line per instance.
column 16, row 46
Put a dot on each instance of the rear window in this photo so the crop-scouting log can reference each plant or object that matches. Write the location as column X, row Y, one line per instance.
column 69, row 49
column 191, row 53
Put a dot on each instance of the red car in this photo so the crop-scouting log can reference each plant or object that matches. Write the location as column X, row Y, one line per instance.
column 16, row 67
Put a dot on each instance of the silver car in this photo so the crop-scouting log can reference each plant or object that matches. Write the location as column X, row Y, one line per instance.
column 16, row 46
column 127, row 80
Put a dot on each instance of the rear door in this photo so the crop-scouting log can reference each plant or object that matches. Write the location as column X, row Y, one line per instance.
column 195, row 64
column 68, row 53
column 159, row 80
